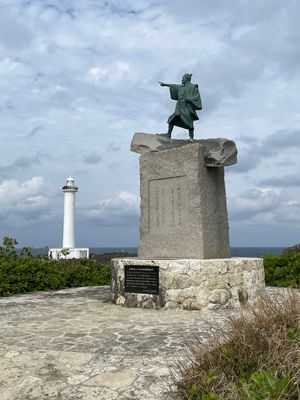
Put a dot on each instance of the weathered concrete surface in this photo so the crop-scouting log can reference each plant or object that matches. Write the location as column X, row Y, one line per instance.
column 76, row 345
column 192, row 284
column 183, row 206
column 218, row 152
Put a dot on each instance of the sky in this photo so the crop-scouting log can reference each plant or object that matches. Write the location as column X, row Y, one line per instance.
column 79, row 77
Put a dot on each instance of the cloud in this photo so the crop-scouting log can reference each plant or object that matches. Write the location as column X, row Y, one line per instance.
column 109, row 75
column 13, row 33
column 34, row 131
column 253, row 202
column 291, row 180
column 264, row 207
column 282, row 139
column 25, row 202
column 118, row 211
column 113, row 147
column 93, row 158
column 252, row 152
column 21, row 163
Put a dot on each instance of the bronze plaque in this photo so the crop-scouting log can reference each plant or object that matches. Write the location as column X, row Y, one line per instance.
column 142, row 279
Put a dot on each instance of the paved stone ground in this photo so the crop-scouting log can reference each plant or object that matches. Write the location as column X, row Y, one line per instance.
column 75, row 344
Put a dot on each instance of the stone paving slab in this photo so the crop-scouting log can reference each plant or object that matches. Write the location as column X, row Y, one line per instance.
column 75, row 344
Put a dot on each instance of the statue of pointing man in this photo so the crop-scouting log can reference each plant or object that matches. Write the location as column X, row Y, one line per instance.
column 188, row 101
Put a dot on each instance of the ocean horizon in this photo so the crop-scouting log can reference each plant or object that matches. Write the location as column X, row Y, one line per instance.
column 235, row 251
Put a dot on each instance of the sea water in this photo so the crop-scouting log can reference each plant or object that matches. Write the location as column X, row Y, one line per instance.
column 235, row 251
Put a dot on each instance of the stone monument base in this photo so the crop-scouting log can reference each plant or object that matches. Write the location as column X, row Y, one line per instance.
column 188, row 284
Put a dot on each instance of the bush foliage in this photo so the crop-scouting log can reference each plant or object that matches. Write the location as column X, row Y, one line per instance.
column 257, row 357
column 283, row 270
column 25, row 273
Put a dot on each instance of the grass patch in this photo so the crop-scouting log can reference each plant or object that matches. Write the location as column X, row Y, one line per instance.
column 257, row 356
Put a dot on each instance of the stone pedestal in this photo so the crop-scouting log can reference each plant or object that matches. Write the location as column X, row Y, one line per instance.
column 184, row 255
column 189, row 284
column 183, row 205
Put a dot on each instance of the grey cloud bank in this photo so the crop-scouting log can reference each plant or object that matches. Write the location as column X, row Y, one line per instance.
column 77, row 79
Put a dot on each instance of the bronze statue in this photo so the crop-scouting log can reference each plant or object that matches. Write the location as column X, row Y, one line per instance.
column 188, row 101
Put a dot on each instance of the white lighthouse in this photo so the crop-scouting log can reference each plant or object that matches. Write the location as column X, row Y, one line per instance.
column 69, row 214
column 68, row 249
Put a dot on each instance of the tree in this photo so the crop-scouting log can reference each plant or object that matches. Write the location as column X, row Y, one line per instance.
column 26, row 252
column 65, row 252
column 8, row 246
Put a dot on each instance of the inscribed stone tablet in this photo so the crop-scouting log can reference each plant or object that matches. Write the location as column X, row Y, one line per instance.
column 141, row 279
column 167, row 204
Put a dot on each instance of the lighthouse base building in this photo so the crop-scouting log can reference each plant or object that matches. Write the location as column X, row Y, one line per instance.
column 66, row 253
column 68, row 250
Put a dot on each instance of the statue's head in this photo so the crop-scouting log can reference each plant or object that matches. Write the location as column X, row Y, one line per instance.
column 186, row 78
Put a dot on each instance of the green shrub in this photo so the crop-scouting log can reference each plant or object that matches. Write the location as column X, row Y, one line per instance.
column 283, row 270
column 86, row 272
column 29, row 274
column 25, row 273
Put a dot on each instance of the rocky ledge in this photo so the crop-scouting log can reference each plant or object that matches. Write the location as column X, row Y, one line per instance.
column 219, row 152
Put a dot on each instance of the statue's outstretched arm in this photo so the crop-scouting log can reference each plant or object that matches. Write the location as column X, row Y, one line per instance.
column 164, row 84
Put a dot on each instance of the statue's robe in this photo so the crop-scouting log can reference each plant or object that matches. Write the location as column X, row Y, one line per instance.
column 188, row 101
